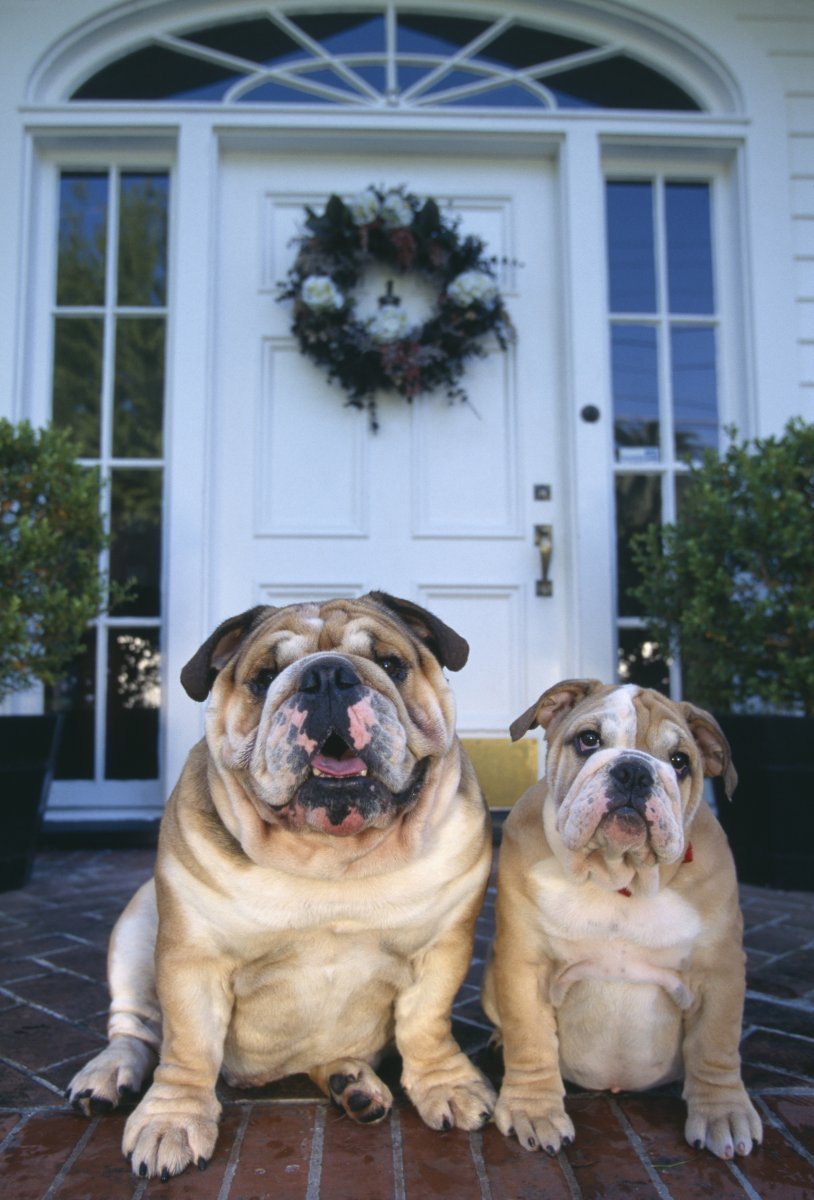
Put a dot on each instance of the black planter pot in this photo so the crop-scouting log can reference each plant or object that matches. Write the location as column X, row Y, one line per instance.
column 770, row 820
column 28, row 747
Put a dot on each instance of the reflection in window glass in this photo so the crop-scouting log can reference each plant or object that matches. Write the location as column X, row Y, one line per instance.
column 695, row 398
column 142, row 265
column 82, row 239
column 689, row 248
column 631, row 247
column 640, row 661
column 135, row 552
column 634, row 368
column 133, row 700
column 138, row 394
column 638, row 504
column 77, row 383
column 259, row 40
column 155, row 73
column 619, row 82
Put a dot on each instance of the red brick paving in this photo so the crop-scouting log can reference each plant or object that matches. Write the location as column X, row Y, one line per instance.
column 284, row 1142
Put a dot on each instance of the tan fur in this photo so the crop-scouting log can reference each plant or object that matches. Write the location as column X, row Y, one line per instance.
column 606, row 989
column 279, row 948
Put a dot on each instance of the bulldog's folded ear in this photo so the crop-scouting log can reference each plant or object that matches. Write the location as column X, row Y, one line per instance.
column 449, row 647
column 711, row 741
column 554, row 702
column 199, row 673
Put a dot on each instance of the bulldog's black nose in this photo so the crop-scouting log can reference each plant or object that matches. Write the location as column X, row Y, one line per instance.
column 632, row 775
column 329, row 674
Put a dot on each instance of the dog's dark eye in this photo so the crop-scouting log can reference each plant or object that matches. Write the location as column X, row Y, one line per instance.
column 587, row 741
column 680, row 762
column 393, row 666
column 260, row 682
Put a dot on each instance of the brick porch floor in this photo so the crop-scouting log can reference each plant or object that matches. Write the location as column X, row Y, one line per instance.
column 286, row 1143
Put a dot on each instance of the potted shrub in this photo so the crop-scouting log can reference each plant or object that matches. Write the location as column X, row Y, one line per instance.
column 730, row 587
column 51, row 536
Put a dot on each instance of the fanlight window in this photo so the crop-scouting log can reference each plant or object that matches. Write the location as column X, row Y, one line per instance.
column 384, row 58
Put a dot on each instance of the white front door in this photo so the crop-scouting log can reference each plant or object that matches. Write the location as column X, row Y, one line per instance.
column 439, row 505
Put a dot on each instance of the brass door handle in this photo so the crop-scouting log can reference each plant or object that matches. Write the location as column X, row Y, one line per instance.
column 544, row 541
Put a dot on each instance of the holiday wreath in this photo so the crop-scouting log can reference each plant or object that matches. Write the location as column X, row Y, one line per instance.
column 388, row 352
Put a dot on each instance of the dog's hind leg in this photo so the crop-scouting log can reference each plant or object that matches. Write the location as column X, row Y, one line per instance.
column 134, row 1023
column 354, row 1087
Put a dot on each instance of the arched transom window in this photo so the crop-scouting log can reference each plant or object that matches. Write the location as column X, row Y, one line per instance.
column 385, row 57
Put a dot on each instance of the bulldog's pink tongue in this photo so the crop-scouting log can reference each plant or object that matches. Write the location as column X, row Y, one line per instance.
column 338, row 768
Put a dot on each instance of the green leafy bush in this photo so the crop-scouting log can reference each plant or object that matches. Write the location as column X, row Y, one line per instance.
column 51, row 537
column 731, row 584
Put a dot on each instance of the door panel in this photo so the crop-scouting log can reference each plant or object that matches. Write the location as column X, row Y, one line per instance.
column 438, row 505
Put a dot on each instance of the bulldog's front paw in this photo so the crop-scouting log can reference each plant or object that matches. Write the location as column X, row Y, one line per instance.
column 725, row 1126
column 451, row 1093
column 537, row 1118
column 116, row 1074
column 356, row 1089
column 171, row 1128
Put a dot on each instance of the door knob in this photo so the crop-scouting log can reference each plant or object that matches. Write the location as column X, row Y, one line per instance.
column 544, row 541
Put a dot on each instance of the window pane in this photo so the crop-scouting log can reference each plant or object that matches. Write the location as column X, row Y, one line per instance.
column 142, row 268
column 135, row 552
column 638, row 504
column 77, row 393
column 82, row 239
column 75, row 698
column 619, row 82
column 427, row 34
column 138, row 395
column 259, row 40
column 133, row 698
column 689, row 248
column 631, row 253
column 344, row 33
column 521, row 46
column 634, row 370
column 154, row 73
column 695, row 400
column 640, row 661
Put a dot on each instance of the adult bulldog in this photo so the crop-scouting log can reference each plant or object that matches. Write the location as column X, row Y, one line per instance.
column 617, row 960
column 320, row 867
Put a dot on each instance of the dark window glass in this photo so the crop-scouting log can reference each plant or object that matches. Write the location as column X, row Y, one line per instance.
column 425, row 34
column 689, row 248
column 155, row 73
column 82, row 239
column 258, row 41
column 638, row 504
column 631, row 249
column 618, row 82
column 138, row 393
column 77, row 389
column 75, row 698
column 133, row 698
column 521, row 47
column 640, row 661
column 142, row 265
column 135, row 551
column 510, row 96
column 635, row 381
column 695, row 398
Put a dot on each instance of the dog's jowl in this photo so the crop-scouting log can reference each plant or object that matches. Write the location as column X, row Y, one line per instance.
column 320, row 867
column 618, row 961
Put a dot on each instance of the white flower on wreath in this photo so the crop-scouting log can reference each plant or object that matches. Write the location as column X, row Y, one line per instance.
column 364, row 207
column 395, row 211
column 471, row 286
column 388, row 325
column 321, row 294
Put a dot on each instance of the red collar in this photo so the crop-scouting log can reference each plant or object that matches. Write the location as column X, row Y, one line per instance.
column 686, row 859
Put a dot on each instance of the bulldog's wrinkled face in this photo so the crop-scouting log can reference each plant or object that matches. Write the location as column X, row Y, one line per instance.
column 331, row 714
column 625, row 770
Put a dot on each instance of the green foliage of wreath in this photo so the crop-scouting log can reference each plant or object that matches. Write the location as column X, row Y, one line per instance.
column 387, row 352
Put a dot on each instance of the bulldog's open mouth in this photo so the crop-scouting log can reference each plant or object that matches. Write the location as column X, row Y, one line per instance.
column 337, row 760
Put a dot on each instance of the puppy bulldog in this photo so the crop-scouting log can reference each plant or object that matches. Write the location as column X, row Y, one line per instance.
column 320, row 867
column 617, row 961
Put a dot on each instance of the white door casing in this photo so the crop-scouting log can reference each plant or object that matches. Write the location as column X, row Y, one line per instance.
column 438, row 505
